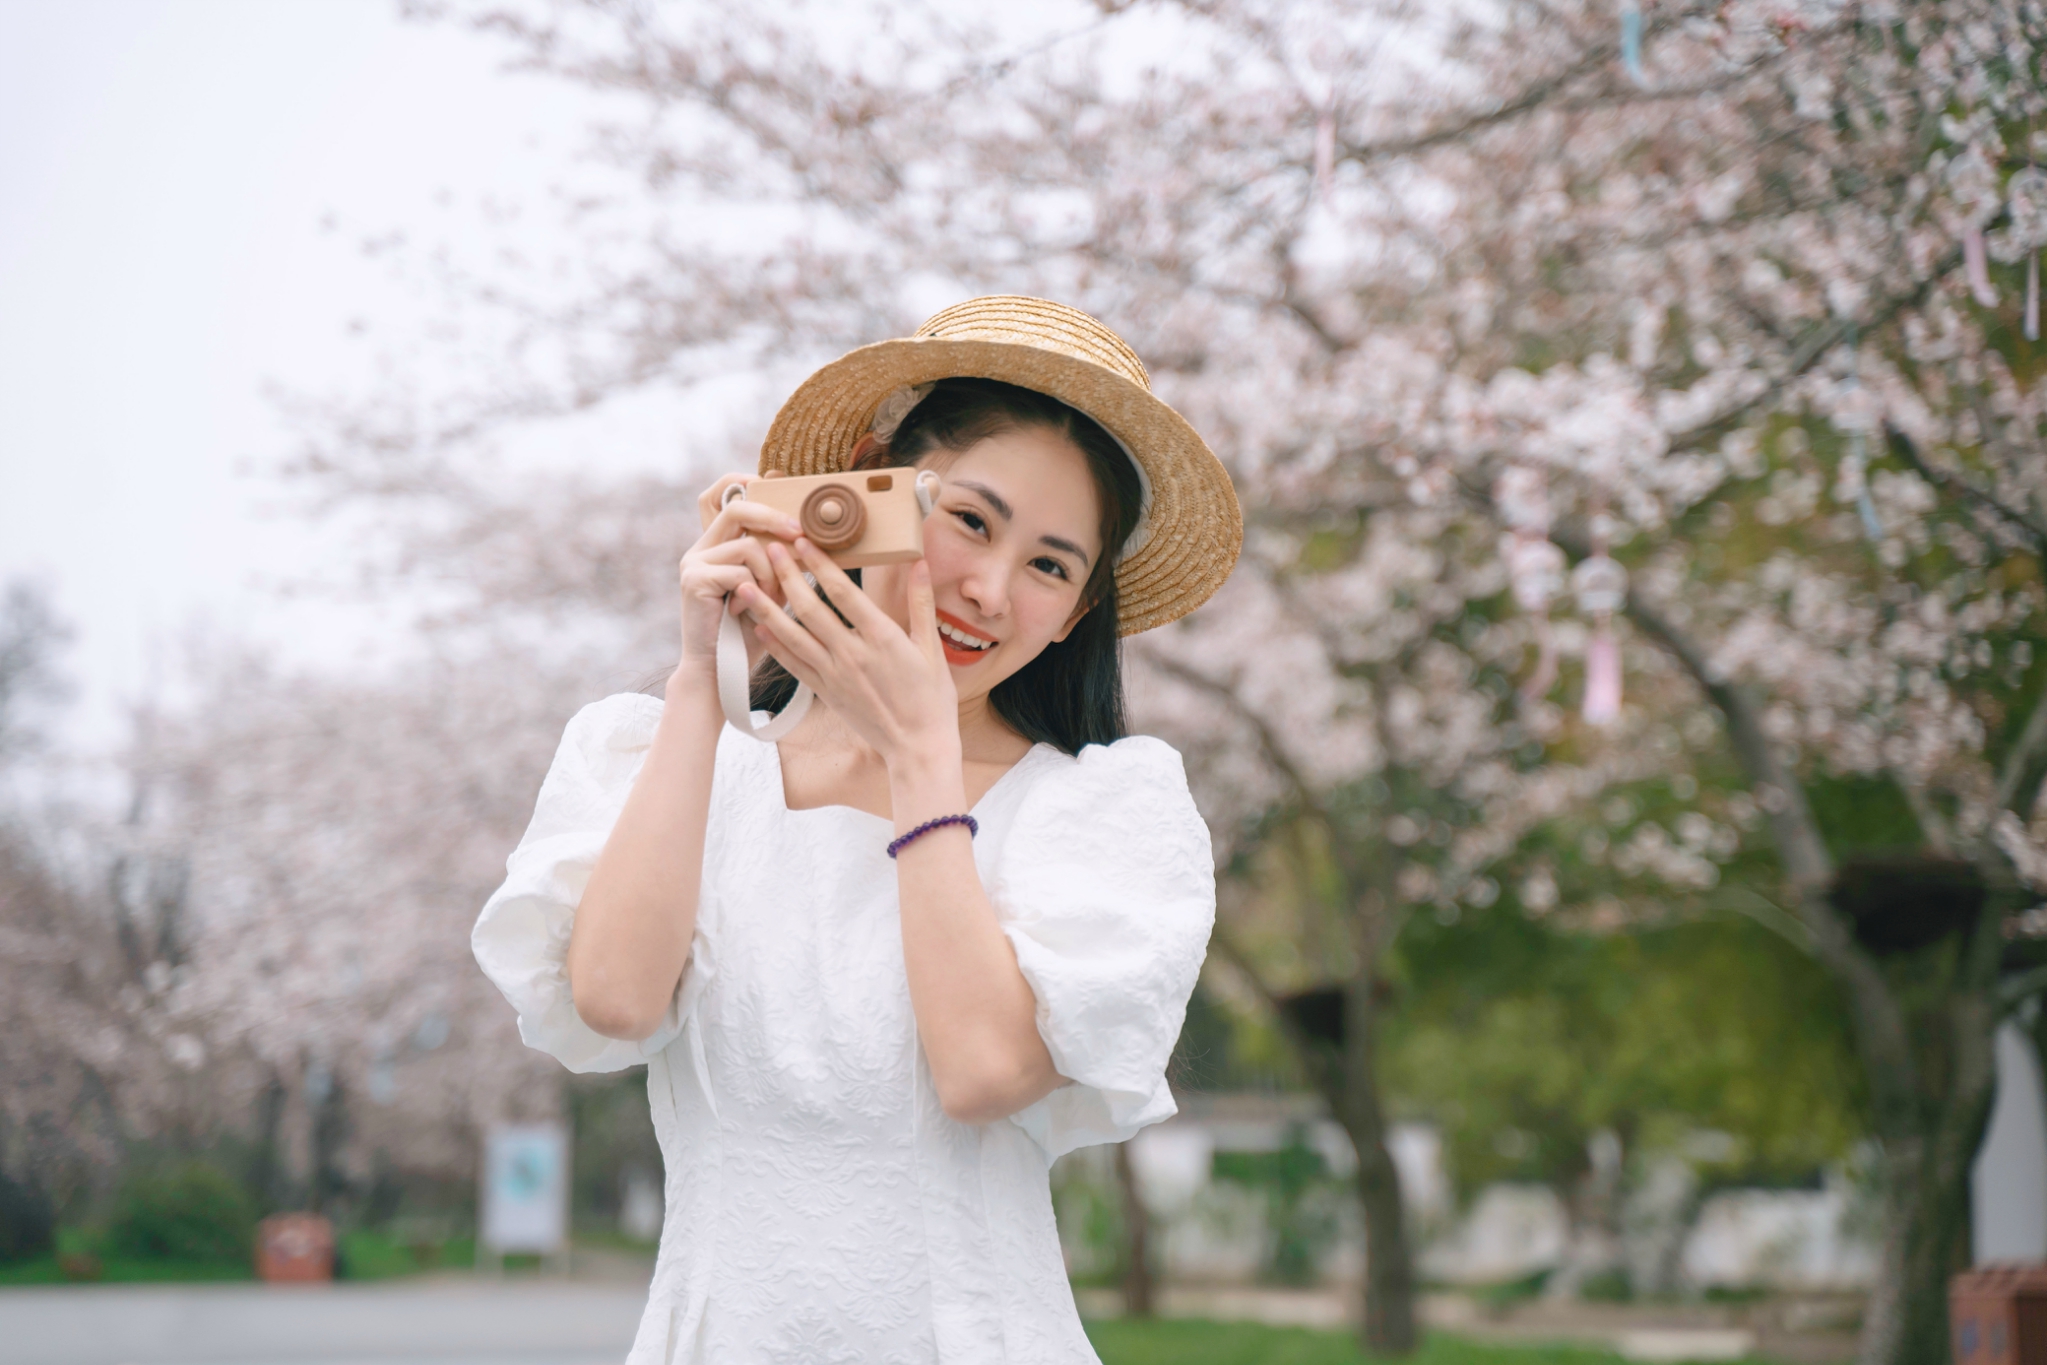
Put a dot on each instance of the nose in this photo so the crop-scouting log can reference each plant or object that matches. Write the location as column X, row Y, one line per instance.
column 986, row 586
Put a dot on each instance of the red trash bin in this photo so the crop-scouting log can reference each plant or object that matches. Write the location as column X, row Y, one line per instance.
column 1998, row 1315
column 294, row 1248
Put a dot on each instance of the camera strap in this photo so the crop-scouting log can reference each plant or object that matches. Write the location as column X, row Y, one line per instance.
column 735, row 687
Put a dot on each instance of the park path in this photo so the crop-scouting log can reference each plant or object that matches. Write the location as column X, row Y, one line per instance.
column 442, row 1322
column 456, row 1319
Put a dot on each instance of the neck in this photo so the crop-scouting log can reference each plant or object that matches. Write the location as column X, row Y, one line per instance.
column 983, row 733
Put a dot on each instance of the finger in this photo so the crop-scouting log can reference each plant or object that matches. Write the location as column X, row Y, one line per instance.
column 751, row 552
column 924, row 613
column 760, row 642
column 722, row 580
column 856, row 606
column 742, row 516
column 790, row 640
column 712, row 499
column 816, row 617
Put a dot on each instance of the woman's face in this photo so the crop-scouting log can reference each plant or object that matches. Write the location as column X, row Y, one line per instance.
column 1012, row 540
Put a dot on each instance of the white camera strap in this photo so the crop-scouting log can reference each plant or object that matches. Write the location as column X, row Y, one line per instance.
column 735, row 687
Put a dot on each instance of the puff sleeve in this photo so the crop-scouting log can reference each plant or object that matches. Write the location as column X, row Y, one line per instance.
column 1106, row 888
column 521, row 939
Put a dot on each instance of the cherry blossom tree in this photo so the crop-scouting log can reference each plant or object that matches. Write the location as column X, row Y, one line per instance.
column 89, row 941
column 1649, row 359
column 334, row 838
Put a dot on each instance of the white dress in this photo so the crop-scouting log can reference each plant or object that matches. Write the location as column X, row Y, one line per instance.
column 820, row 1206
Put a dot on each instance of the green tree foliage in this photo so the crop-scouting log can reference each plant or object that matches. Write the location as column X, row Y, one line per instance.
column 189, row 1211
column 1521, row 1041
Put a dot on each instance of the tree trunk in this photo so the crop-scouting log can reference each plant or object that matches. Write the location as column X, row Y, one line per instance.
column 1591, row 1199
column 1926, row 1171
column 1930, row 1107
column 1388, row 1328
column 1925, row 1208
column 269, row 1172
column 1138, row 1287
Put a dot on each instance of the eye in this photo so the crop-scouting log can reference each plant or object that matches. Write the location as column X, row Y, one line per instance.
column 972, row 521
column 1046, row 564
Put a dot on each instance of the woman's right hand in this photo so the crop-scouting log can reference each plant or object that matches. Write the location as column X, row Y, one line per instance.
column 724, row 557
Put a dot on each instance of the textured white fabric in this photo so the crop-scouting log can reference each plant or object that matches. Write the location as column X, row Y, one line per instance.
column 821, row 1207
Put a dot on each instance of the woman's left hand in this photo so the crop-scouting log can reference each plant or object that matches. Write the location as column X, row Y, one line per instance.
column 892, row 686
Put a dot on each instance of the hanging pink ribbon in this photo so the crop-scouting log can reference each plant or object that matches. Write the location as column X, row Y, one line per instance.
column 1603, row 675
column 2033, row 297
column 1601, row 587
column 1545, row 675
column 1976, row 264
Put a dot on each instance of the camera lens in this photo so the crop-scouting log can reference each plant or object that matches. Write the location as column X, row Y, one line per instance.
column 833, row 517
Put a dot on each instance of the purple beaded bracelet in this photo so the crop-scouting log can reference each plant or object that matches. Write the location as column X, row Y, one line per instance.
column 973, row 827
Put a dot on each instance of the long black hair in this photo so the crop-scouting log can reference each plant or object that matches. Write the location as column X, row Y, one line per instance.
column 1071, row 694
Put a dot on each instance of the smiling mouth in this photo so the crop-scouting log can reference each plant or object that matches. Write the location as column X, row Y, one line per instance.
column 959, row 642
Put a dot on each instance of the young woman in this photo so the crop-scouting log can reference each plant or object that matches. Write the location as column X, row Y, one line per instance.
column 885, row 970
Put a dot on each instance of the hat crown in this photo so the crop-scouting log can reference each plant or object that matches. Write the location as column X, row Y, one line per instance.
column 1018, row 320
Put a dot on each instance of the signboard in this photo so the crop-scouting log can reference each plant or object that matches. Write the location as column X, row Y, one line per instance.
column 525, row 1188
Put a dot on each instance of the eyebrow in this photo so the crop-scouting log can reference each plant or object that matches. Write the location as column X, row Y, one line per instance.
column 1003, row 510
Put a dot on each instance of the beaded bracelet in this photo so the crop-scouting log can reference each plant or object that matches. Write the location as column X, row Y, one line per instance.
column 973, row 827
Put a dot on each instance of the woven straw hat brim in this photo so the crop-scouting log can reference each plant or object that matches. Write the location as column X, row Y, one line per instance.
column 1195, row 526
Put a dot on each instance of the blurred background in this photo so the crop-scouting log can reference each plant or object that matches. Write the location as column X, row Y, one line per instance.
column 1622, row 738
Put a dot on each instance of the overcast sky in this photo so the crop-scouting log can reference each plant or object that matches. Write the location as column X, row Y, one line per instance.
column 185, row 190
column 186, row 183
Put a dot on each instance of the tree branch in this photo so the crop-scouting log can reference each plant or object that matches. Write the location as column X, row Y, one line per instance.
column 1268, row 741
column 1747, row 901
column 2019, row 778
column 1319, row 1060
column 1908, row 450
column 1809, row 353
column 1797, row 834
column 1882, row 1034
column 1531, row 98
column 1923, row 810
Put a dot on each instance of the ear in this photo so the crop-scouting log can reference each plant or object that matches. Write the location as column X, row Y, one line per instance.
column 866, row 448
column 1082, row 610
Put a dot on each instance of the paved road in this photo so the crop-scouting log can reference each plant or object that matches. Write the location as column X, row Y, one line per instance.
column 460, row 1321
column 435, row 1323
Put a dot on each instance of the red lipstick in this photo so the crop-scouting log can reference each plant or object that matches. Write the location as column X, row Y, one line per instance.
column 958, row 655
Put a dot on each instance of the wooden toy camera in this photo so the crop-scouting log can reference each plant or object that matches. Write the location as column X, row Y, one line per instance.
column 860, row 517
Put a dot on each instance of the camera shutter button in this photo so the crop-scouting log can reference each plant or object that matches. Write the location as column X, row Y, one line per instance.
column 833, row 517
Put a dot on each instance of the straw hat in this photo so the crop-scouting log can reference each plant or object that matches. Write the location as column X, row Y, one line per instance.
column 1192, row 528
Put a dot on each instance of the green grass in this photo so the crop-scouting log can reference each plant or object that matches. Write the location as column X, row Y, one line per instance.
column 120, row 1270
column 600, row 1239
column 378, row 1256
column 363, row 1256
column 1188, row 1341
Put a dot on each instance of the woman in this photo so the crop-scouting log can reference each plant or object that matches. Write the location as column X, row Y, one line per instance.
column 885, row 970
